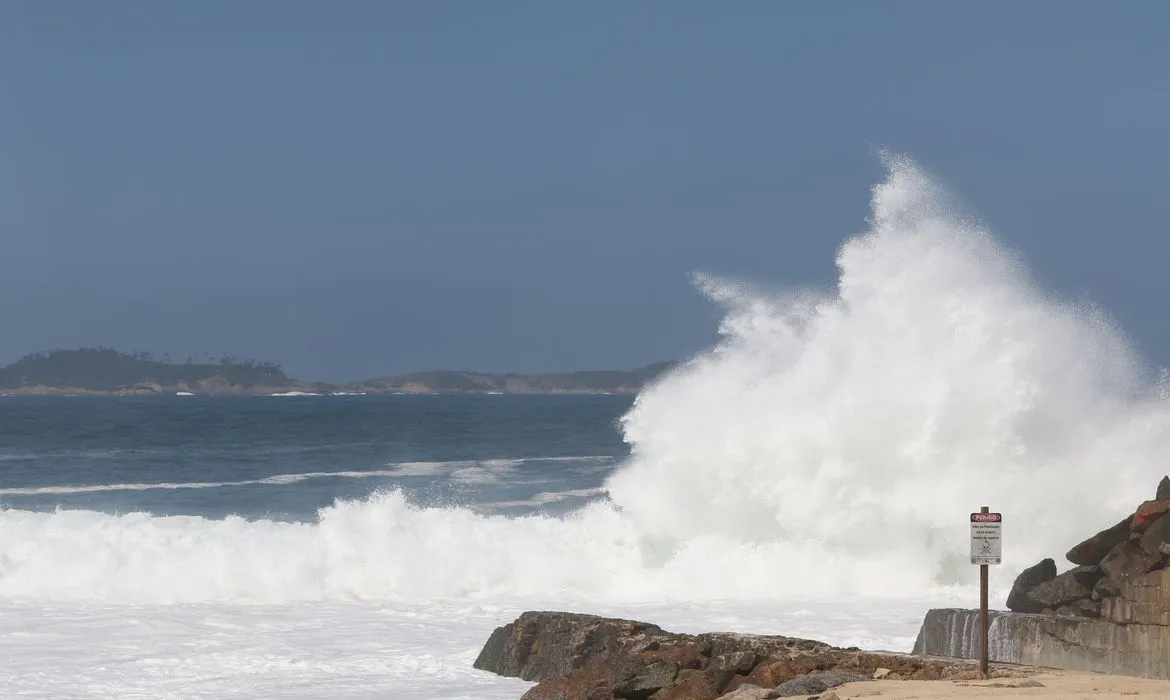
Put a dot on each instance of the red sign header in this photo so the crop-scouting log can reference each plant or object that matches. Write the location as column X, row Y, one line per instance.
column 986, row 518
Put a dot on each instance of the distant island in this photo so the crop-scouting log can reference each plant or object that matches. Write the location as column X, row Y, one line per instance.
column 108, row 372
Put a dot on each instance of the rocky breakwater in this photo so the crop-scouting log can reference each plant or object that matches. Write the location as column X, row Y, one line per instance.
column 1109, row 612
column 1119, row 574
column 584, row 657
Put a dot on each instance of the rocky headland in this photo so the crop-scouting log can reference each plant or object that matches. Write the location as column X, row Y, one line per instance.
column 583, row 657
column 107, row 372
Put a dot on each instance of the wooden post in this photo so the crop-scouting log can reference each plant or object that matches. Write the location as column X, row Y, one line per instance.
column 983, row 623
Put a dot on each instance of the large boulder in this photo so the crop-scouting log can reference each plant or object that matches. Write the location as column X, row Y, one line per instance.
column 815, row 684
column 1147, row 513
column 1127, row 559
column 1094, row 549
column 1018, row 600
column 1066, row 588
column 1156, row 535
column 584, row 657
column 1163, row 489
column 694, row 685
column 1105, row 588
column 540, row 645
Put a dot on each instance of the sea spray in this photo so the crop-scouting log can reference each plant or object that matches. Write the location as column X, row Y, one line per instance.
column 830, row 445
column 865, row 425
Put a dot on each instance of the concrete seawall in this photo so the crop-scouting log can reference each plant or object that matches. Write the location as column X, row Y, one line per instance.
column 1055, row 642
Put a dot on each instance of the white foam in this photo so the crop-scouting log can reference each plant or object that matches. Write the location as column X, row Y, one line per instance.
column 830, row 445
column 865, row 425
column 546, row 497
column 306, row 651
column 179, row 485
column 467, row 471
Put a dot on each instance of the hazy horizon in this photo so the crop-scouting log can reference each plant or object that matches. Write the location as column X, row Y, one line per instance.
column 387, row 188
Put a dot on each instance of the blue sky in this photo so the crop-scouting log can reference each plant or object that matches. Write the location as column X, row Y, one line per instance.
column 361, row 188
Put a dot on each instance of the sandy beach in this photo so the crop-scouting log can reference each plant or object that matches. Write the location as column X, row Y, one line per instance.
column 1066, row 685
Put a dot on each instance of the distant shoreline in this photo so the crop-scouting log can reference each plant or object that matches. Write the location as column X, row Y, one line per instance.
column 108, row 372
column 67, row 392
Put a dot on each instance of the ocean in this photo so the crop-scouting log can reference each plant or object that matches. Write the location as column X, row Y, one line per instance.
column 810, row 475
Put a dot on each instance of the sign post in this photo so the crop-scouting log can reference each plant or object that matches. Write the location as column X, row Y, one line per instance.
column 986, row 549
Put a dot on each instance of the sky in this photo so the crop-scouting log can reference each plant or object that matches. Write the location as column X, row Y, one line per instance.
column 354, row 189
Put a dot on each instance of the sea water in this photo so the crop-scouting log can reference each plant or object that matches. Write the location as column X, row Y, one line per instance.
column 810, row 475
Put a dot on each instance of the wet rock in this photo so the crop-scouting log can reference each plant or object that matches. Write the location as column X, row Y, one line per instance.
column 1018, row 600
column 1126, row 560
column 1094, row 549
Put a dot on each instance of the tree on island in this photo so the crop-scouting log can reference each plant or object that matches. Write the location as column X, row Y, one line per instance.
column 106, row 369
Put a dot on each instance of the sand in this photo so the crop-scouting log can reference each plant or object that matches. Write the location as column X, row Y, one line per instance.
column 1067, row 685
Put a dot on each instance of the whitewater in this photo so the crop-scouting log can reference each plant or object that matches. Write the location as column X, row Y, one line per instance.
column 811, row 475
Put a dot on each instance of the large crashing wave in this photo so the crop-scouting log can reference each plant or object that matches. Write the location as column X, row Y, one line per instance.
column 830, row 445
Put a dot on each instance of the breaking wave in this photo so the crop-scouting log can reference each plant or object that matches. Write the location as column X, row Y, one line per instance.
column 829, row 445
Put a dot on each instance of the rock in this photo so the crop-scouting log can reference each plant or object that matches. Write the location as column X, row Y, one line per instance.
column 1072, row 585
column 1156, row 535
column 765, row 646
column 1023, row 683
column 1028, row 579
column 1087, row 608
column 586, row 684
column 802, row 686
column 748, row 692
column 831, row 695
column 540, row 645
column 640, row 683
column 1127, row 559
column 584, row 657
column 880, row 673
column 1078, row 608
column 740, row 661
column 815, row 683
column 770, row 674
column 693, row 685
column 1163, row 489
column 1094, row 549
column 1105, row 588
column 1147, row 513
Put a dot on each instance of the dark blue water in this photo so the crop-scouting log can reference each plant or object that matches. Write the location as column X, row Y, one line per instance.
column 188, row 455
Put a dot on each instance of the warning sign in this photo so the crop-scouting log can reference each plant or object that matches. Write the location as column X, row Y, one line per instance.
column 986, row 540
